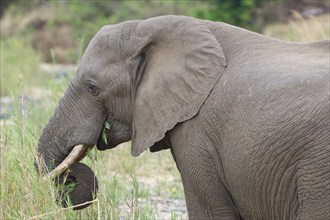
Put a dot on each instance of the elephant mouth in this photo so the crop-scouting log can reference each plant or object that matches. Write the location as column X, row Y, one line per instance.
column 78, row 153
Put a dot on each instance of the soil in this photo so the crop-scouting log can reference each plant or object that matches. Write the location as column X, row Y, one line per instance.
column 168, row 207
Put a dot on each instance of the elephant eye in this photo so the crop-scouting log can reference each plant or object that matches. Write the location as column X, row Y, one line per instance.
column 93, row 89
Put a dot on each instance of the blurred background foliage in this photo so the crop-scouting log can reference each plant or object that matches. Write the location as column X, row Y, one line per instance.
column 63, row 28
column 58, row 31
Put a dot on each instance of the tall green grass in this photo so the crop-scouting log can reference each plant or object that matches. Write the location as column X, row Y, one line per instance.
column 24, row 195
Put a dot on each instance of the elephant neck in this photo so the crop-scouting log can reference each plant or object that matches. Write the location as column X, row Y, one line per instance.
column 238, row 42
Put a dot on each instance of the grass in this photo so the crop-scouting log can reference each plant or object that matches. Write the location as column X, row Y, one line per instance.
column 301, row 29
column 121, row 194
column 24, row 195
column 126, row 184
column 17, row 58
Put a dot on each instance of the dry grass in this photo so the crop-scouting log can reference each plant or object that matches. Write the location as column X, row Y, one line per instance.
column 301, row 29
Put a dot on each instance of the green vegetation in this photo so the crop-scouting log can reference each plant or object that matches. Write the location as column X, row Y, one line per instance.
column 58, row 33
column 18, row 58
column 65, row 27
column 240, row 13
column 25, row 195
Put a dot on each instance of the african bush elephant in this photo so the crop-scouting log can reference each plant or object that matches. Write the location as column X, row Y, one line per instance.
column 245, row 116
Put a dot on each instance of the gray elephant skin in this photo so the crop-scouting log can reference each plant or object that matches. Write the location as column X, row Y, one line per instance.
column 245, row 116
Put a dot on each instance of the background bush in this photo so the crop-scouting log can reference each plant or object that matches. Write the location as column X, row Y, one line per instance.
column 66, row 26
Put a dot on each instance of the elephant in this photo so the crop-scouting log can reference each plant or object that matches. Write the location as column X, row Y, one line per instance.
column 245, row 116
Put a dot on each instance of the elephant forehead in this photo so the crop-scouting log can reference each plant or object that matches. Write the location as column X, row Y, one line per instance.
column 100, row 71
column 101, row 55
column 106, row 45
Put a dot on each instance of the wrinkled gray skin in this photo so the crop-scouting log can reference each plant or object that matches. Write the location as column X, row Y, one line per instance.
column 245, row 116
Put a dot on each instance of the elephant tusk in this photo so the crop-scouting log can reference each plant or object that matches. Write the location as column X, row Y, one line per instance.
column 76, row 154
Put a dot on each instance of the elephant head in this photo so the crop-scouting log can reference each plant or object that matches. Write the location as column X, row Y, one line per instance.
column 142, row 77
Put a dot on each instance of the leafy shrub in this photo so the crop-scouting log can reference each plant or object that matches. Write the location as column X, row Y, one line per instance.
column 236, row 12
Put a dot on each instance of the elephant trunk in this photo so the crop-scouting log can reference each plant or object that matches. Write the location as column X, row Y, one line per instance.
column 59, row 137
column 55, row 159
column 51, row 149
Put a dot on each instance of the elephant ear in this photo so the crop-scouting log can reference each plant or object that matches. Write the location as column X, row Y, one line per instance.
column 183, row 63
